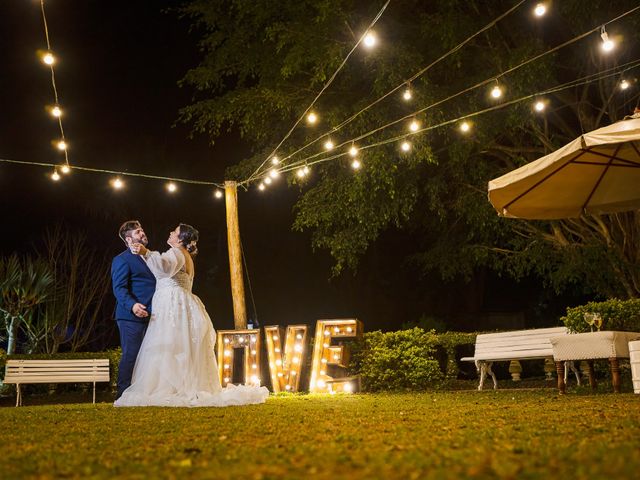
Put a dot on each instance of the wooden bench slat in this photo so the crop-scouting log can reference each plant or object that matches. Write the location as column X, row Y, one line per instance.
column 100, row 361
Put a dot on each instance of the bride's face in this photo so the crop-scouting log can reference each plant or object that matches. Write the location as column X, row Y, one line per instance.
column 173, row 240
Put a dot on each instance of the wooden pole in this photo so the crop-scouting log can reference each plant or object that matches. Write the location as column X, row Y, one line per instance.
column 235, row 255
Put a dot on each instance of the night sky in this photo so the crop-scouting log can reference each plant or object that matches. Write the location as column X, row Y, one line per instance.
column 119, row 64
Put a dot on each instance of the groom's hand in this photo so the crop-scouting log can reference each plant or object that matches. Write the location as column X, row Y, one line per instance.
column 140, row 310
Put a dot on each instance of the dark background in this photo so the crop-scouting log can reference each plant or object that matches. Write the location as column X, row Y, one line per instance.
column 118, row 67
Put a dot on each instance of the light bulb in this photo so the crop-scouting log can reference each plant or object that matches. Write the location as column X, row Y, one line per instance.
column 300, row 173
column 287, row 387
column 414, row 126
column 296, row 360
column 65, row 169
column 117, row 184
column 61, row 145
column 267, row 180
column 356, row 164
column 254, row 366
column 607, row 43
column 406, row 146
column 540, row 10
column 465, row 127
column 254, row 378
column 275, row 337
column 56, row 111
column 273, row 173
column 253, row 352
column 624, row 85
column 227, row 353
column 496, row 92
column 407, row 95
column 226, row 366
column 261, row 187
column 327, row 332
column 241, row 339
column 299, row 336
column 275, row 161
column 226, row 379
column 226, row 340
column 55, row 176
column 321, row 384
column 348, row 388
column 48, row 58
column 539, row 106
column 312, row 118
column 297, row 347
column 278, row 362
column 171, row 187
column 353, row 151
column 328, row 145
column 277, row 350
column 370, row 40
column 336, row 329
column 349, row 329
column 218, row 194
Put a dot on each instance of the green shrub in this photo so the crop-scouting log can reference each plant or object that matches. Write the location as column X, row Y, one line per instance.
column 397, row 360
column 621, row 315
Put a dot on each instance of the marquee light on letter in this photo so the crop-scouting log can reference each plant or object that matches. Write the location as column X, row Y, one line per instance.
column 336, row 357
column 286, row 356
column 231, row 340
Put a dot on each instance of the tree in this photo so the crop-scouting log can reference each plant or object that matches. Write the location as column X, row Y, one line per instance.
column 25, row 283
column 263, row 62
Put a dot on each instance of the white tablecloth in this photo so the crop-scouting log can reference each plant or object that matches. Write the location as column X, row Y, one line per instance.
column 592, row 345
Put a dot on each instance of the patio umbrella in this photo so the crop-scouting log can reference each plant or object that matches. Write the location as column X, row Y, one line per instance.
column 598, row 172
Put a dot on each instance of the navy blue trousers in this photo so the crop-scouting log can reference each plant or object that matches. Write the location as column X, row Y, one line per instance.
column 131, row 335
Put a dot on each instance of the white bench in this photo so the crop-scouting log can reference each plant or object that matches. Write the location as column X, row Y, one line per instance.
column 56, row 371
column 515, row 345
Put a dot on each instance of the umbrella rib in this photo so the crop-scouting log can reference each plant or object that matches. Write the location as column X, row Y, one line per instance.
column 604, row 172
column 615, row 157
column 598, row 164
column 532, row 187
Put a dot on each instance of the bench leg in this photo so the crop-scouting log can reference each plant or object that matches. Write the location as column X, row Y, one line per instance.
column 94, row 393
column 592, row 375
column 615, row 374
column 493, row 376
column 571, row 365
column 560, row 372
column 482, row 366
column 18, row 395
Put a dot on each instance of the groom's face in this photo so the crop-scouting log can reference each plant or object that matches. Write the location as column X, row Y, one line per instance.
column 137, row 236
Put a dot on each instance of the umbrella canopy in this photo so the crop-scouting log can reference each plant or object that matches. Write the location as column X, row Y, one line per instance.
column 598, row 172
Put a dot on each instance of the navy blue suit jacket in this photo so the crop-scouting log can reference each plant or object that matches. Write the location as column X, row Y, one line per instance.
column 133, row 283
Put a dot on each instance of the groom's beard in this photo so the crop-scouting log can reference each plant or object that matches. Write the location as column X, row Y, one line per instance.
column 142, row 240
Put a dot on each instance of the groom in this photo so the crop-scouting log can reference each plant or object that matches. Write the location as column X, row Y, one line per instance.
column 133, row 287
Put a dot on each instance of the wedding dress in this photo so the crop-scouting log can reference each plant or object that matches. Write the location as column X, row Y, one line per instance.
column 176, row 366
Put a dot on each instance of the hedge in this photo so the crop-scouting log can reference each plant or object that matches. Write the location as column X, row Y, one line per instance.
column 620, row 315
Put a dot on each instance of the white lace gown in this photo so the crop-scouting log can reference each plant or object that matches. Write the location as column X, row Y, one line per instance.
column 176, row 366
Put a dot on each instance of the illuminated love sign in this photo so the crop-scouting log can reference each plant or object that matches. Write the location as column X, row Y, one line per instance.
column 286, row 355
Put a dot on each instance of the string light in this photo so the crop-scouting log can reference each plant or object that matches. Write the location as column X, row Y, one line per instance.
column 55, row 176
column 540, row 10
column 328, row 145
column 465, row 127
column 218, row 194
column 624, row 85
column 405, row 147
column 370, row 40
column 171, row 187
column 273, row 173
column 607, row 43
column 117, row 183
column 61, row 145
column 496, row 92
column 306, row 170
column 356, row 164
column 261, row 187
column 312, row 118
column 275, row 161
column 539, row 106
column 414, row 126
column 300, row 173
column 407, row 95
column 48, row 58
column 65, row 169
column 353, row 151
column 56, row 111
column 267, row 180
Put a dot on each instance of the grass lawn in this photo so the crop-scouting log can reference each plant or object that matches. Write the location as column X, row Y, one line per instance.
column 444, row 435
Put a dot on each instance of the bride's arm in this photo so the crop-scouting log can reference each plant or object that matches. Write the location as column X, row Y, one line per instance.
column 165, row 265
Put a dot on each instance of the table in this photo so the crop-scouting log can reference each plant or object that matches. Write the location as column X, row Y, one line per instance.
column 591, row 346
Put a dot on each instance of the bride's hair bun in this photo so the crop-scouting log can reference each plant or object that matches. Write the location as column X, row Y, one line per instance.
column 189, row 238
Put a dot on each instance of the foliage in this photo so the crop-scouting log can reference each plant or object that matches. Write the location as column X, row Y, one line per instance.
column 488, row 435
column 263, row 63
column 621, row 315
column 397, row 360
column 25, row 283
column 81, row 275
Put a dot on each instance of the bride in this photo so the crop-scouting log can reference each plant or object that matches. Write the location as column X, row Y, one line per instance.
column 176, row 366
